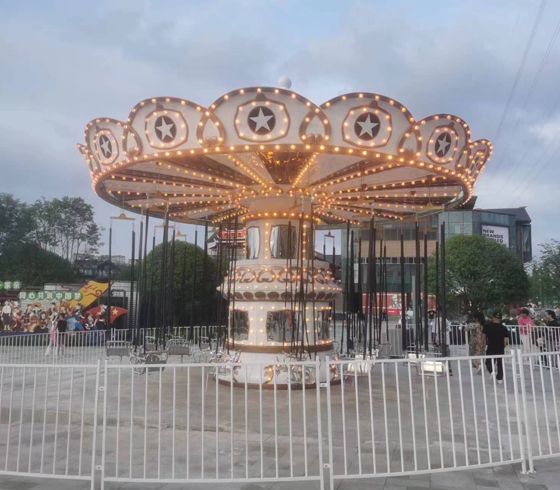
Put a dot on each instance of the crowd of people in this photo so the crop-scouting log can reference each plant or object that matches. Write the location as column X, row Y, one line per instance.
column 492, row 337
column 35, row 318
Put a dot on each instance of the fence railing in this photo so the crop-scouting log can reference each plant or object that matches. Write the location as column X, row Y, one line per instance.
column 201, row 423
column 529, row 339
column 83, row 346
column 48, row 420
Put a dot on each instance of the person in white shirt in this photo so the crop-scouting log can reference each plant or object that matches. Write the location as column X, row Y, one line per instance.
column 6, row 315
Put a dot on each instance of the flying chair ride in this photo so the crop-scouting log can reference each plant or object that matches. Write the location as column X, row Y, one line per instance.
column 277, row 164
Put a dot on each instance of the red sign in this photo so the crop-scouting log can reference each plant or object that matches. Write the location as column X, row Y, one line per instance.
column 391, row 302
column 232, row 234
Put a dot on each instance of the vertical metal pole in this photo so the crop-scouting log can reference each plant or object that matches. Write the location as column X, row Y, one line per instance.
column 426, row 320
column 109, row 323
column 443, row 293
column 151, row 294
column 369, row 302
column 191, row 332
column 171, row 290
column 417, row 301
column 130, row 313
column 403, row 313
column 143, row 318
column 95, row 423
column 234, row 279
column 203, row 304
column 140, row 281
column 183, row 283
column 437, row 325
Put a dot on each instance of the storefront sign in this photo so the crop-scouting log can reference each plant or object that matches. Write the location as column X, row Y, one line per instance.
column 50, row 295
column 10, row 285
column 499, row 234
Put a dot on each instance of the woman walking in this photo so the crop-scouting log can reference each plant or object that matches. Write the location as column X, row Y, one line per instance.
column 477, row 340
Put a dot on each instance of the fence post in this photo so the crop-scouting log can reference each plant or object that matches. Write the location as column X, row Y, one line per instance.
column 329, row 425
column 525, row 412
column 95, row 412
column 319, row 425
column 517, row 407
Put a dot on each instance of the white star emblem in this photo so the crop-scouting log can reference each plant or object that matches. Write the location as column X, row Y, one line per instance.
column 367, row 126
column 261, row 120
column 442, row 145
column 105, row 147
column 165, row 129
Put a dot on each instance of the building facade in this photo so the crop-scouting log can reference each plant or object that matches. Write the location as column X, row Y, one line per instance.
column 511, row 227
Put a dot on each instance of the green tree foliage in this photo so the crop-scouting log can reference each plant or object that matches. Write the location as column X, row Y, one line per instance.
column 65, row 226
column 34, row 266
column 481, row 274
column 545, row 275
column 39, row 242
column 206, row 297
column 15, row 221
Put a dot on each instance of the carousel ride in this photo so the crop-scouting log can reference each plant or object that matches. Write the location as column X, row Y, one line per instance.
column 274, row 163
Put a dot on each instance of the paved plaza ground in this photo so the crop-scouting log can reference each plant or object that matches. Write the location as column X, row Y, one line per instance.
column 508, row 477
column 393, row 420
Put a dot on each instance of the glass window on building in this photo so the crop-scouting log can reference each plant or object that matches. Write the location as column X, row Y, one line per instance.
column 324, row 325
column 282, row 238
column 282, row 325
column 241, row 324
column 253, row 242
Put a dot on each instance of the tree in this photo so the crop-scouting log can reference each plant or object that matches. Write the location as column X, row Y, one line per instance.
column 15, row 221
column 481, row 274
column 545, row 274
column 34, row 266
column 65, row 226
column 206, row 297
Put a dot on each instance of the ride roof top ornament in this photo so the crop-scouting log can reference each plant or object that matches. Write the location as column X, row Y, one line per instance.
column 357, row 154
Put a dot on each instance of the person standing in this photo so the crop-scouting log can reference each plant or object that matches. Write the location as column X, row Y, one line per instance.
column 526, row 327
column 6, row 315
column 431, row 325
column 497, row 336
column 477, row 340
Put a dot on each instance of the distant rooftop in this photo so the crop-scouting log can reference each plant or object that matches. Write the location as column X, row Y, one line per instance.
column 520, row 214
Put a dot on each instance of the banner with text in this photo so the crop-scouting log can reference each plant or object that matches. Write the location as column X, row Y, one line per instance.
column 499, row 234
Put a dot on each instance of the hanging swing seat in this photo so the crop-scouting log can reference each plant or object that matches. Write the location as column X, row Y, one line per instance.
column 177, row 346
column 143, row 359
column 118, row 348
column 428, row 367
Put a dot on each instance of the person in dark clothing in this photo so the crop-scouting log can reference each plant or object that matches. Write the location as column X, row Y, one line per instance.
column 497, row 338
column 550, row 319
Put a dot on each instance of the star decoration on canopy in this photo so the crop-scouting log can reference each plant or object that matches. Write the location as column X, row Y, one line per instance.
column 166, row 129
column 105, row 145
column 354, row 156
column 367, row 126
column 442, row 145
column 262, row 120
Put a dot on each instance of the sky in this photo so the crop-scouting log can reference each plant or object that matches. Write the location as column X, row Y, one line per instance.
column 64, row 63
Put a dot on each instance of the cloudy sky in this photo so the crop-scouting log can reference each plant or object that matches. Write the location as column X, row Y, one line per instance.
column 64, row 63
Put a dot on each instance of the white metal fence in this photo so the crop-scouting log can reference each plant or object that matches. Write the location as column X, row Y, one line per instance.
column 529, row 339
column 82, row 347
column 48, row 420
column 196, row 423
column 418, row 416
